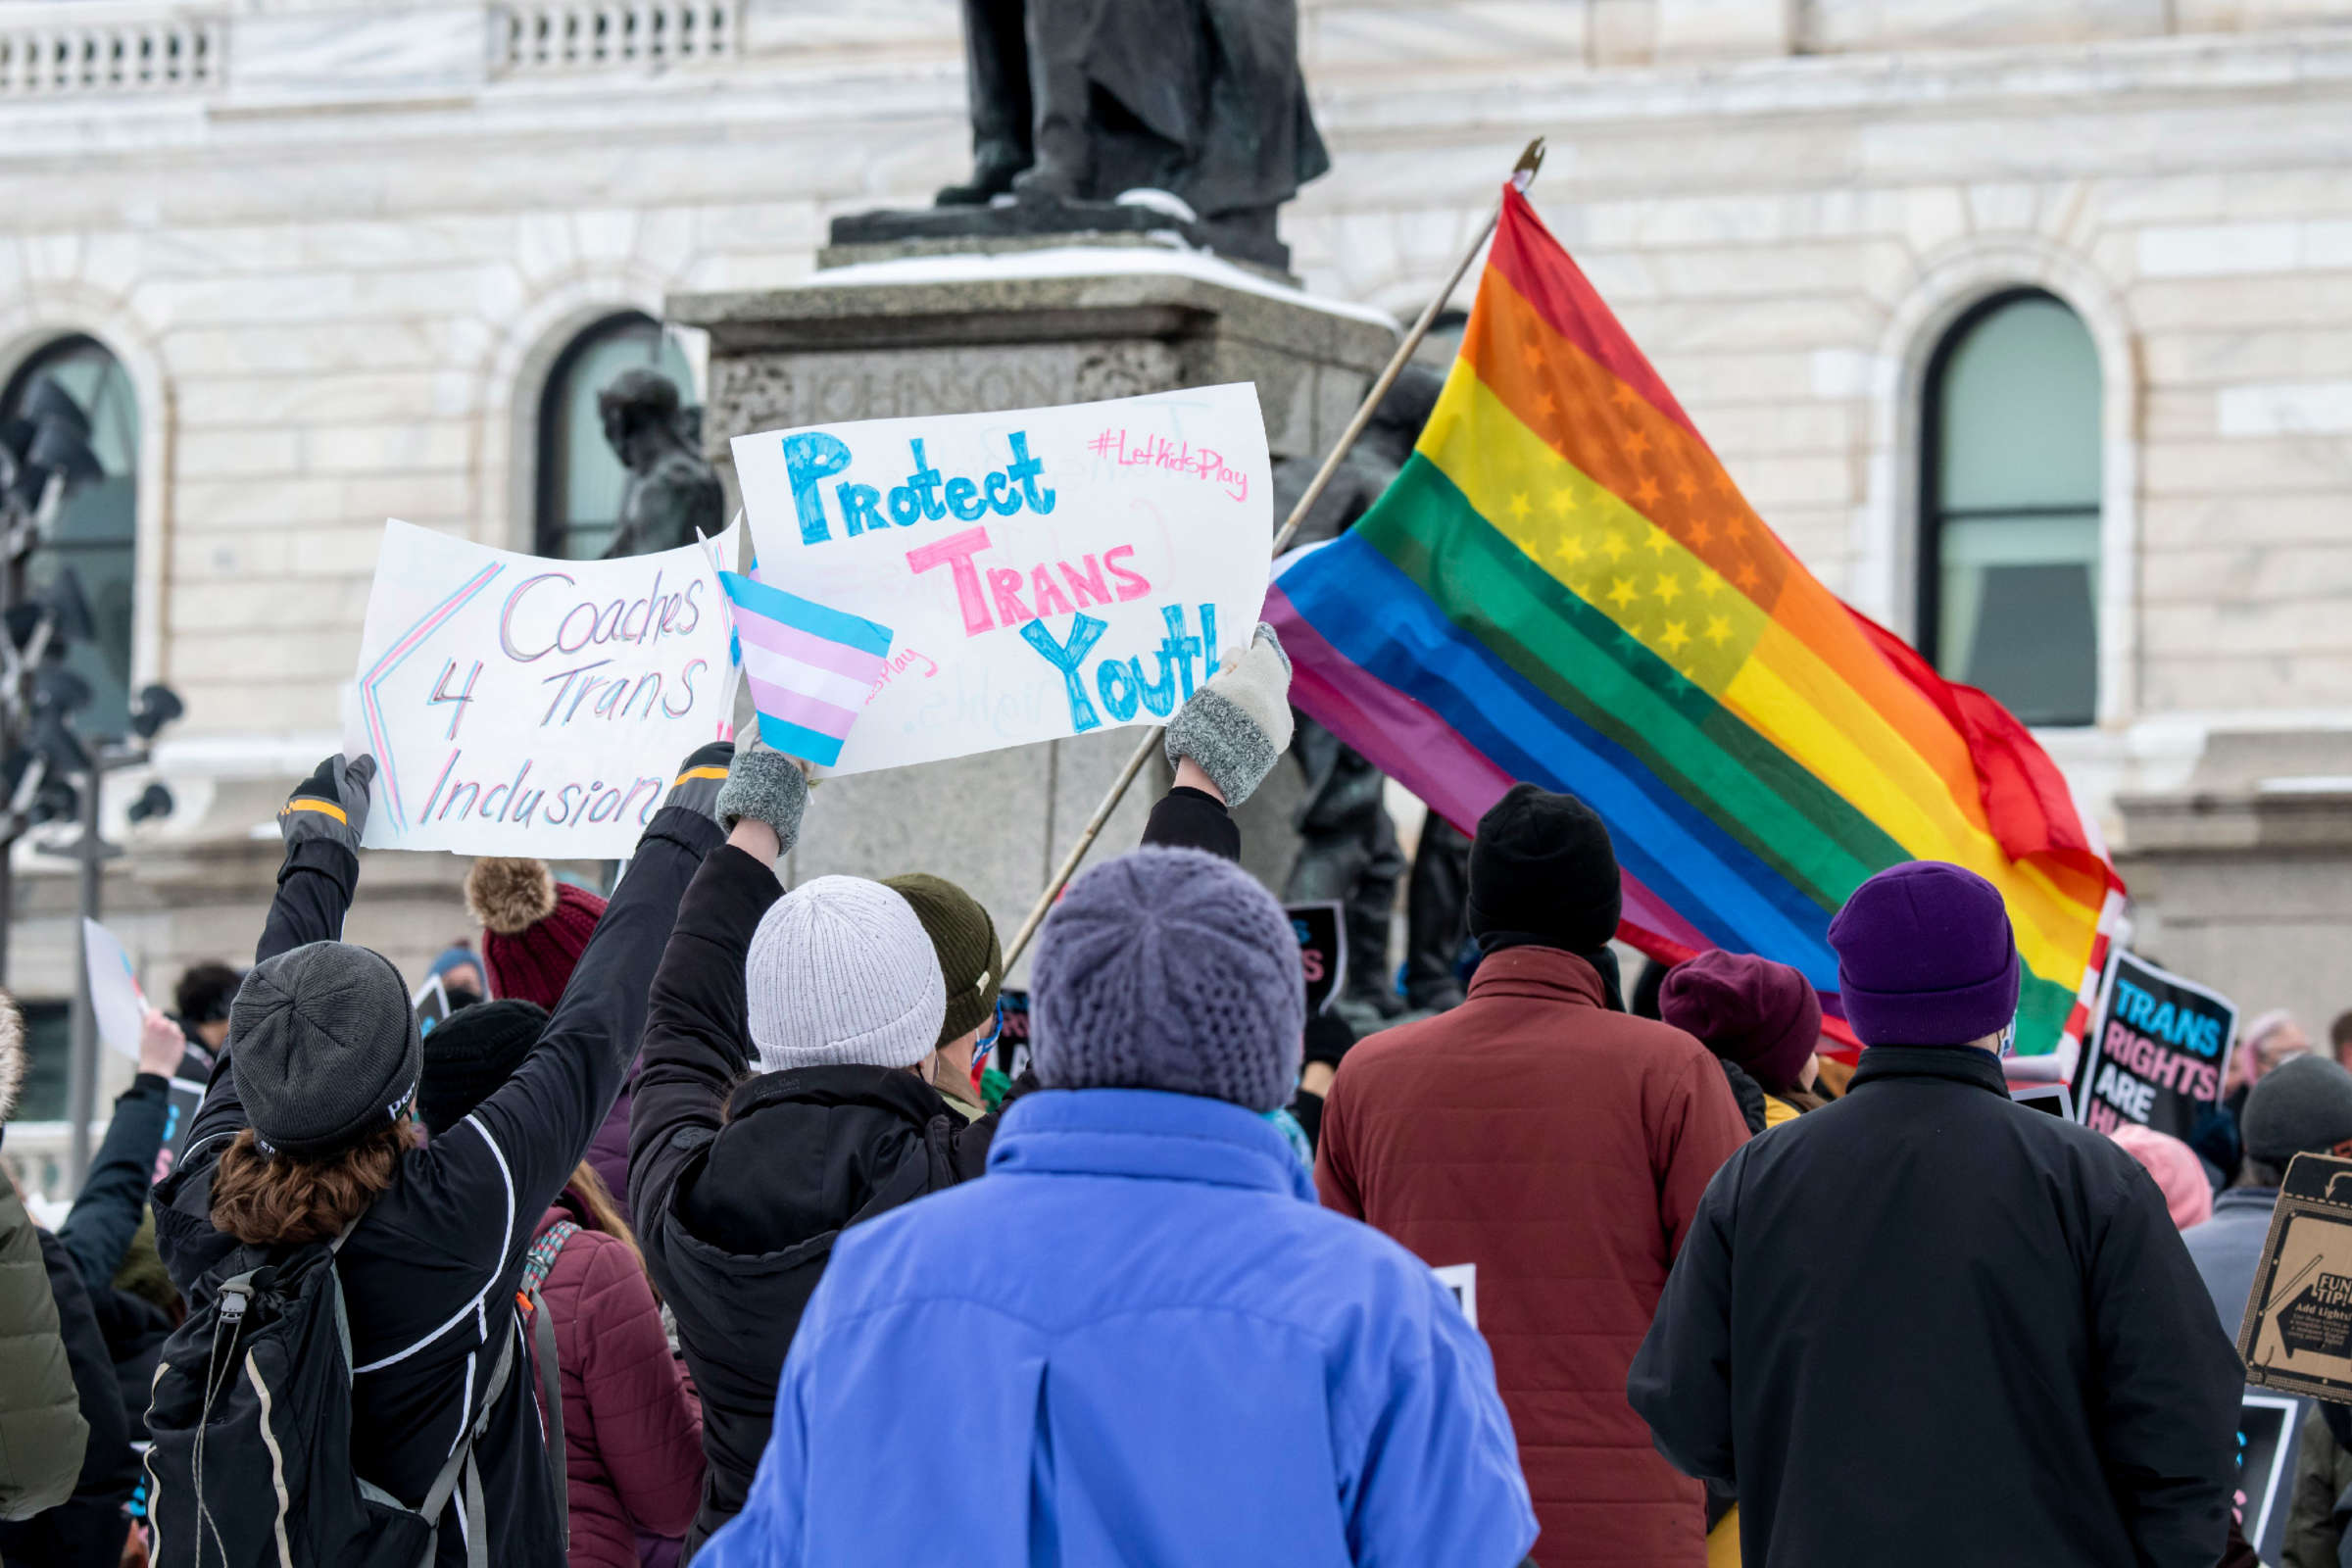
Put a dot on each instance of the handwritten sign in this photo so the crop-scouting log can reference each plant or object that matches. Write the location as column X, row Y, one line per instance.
column 119, row 1005
column 518, row 705
column 2158, row 1053
column 1044, row 573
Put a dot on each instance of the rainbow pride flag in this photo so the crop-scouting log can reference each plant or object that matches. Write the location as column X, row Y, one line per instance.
column 1564, row 585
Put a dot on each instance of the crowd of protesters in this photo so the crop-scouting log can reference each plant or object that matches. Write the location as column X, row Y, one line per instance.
column 692, row 1227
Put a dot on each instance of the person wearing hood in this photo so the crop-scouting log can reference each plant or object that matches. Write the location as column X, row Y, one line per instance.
column 791, row 1082
column 1182, row 1358
column 1929, row 1325
column 1763, row 1022
column 1556, row 1148
column 632, row 1429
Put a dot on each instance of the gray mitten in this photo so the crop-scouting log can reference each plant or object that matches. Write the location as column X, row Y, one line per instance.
column 1239, row 723
column 765, row 786
column 700, row 778
column 331, row 804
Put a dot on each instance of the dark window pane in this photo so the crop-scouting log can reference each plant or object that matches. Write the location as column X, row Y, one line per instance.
column 96, row 531
column 2010, row 594
column 580, row 478
column 47, row 1044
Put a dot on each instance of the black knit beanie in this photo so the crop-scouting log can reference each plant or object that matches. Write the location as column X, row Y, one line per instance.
column 325, row 1048
column 966, row 940
column 469, row 1054
column 1542, row 872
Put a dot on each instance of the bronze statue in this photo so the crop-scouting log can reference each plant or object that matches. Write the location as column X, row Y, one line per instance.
column 1079, row 101
column 672, row 491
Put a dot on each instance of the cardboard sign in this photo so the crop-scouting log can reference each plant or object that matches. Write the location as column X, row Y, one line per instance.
column 116, row 998
column 1041, row 573
column 2158, row 1050
column 1322, row 931
column 2297, row 1334
column 517, row 705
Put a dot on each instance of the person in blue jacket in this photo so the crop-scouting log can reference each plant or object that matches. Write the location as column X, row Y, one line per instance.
column 1169, row 1352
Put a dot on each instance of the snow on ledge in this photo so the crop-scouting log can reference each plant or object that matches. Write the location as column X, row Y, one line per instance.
column 1169, row 258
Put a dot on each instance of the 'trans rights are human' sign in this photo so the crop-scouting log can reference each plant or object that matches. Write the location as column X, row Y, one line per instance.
column 1041, row 573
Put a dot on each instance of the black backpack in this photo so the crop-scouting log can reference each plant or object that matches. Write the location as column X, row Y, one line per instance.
column 250, row 1425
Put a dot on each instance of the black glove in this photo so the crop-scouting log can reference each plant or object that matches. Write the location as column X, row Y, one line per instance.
column 331, row 804
column 700, row 777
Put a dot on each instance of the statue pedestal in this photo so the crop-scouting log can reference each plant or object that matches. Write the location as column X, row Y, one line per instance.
column 1014, row 330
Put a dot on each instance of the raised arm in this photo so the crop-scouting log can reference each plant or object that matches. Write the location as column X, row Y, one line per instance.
column 697, row 1037
column 537, row 1125
column 1222, row 743
column 106, row 1211
column 320, row 823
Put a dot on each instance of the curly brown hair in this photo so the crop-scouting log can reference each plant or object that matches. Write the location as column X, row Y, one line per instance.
column 264, row 1199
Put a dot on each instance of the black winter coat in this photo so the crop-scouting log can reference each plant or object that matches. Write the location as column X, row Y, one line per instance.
column 2000, row 1352
column 430, row 1271
column 87, row 1529
column 738, row 1209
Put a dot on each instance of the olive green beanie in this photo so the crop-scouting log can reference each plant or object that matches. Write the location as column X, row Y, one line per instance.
column 966, row 940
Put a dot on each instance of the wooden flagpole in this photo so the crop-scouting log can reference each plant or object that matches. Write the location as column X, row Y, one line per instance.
column 1523, row 174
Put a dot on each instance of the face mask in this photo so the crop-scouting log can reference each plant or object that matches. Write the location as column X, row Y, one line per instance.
column 2009, row 1039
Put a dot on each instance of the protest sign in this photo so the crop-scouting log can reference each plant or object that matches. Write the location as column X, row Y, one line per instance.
column 2297, row 1333
column 1322, row 950
column 1011, row 1056
column 2267, row 1428
column 115, row 995
column 431, row 1002
column 1033, row 575
column 518, row 705
column 2157, row 1053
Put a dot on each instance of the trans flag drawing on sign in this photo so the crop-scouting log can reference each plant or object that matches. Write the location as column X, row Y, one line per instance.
column 810, row 669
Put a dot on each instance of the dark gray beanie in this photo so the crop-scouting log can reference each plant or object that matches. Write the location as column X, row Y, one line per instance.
column 2301, row 1107
column 1170, row 970
column 325, row 1048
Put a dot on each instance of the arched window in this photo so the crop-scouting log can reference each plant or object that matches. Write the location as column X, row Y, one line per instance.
column 2009, row 586
column 96, row 532
column 579, row 479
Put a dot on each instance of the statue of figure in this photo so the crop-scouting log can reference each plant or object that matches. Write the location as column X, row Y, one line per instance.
column 1084, row 99
column 672, row 491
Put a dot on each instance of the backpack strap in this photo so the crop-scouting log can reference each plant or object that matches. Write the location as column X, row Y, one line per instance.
column 551, row 1402
column 535, row 1266
column 460, row 1460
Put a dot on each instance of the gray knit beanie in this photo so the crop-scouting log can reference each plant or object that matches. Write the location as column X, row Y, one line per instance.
column 1170, row 970
column 840, row 971
column 2301, row 1107
column 325, row 1048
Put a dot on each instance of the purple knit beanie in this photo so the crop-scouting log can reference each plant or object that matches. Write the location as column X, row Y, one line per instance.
column 1170, row 970
column 1926, row 957
column 1748, row 1010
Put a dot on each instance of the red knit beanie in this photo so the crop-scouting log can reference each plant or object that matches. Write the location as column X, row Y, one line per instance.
column 534, row 928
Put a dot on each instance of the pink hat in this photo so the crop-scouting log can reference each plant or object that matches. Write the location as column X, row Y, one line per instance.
column 2179, row 1174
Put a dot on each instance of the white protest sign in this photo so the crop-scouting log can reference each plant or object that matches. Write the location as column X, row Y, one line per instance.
column 520, row 706
column 1041, row 573
column 116, row 999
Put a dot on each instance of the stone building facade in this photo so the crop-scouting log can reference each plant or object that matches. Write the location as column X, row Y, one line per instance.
column 346, row 261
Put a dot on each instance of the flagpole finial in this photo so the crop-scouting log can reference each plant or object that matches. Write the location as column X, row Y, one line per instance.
column 1523, row 173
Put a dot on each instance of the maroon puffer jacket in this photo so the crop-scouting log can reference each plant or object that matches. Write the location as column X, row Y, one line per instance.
column 632, row 1427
